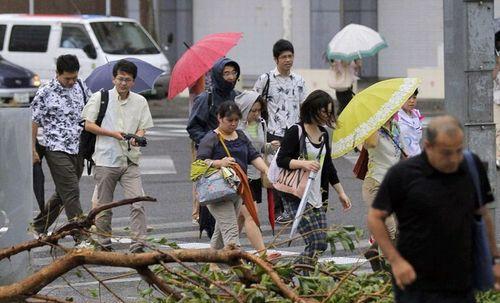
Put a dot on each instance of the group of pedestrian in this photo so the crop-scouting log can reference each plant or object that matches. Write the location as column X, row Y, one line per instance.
column 63, row 108
column 421, row 202
column 229, row 127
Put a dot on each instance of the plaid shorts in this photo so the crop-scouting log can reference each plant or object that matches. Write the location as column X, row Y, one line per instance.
column 312, row 228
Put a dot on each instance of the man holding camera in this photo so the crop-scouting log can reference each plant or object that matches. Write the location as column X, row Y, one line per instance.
column 117, row 153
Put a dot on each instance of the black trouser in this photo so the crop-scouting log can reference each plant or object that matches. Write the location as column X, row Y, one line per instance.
column 344, row 98
column 278, row 202
column 256, row 188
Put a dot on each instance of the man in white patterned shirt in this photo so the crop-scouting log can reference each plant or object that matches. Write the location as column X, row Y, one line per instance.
column 284, row 92
column 57, row 108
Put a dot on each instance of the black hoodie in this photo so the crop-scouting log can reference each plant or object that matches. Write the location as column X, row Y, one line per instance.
column 204, row 117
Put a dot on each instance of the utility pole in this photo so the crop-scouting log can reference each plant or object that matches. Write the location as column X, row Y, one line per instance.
column 31, row 7
column 287, row 19
column 468, row 64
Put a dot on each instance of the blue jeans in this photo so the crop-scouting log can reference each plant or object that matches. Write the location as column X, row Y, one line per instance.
column 416, row 296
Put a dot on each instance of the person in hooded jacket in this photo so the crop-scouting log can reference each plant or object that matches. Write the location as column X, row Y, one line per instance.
column 203, row 118
column 254, row 127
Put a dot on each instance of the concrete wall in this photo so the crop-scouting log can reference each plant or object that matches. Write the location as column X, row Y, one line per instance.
column 16, row 188
column 261, row 24
column 413, row 30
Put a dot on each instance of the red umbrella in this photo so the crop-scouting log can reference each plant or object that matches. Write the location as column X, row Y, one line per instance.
column 270, row 207
column 198, row 59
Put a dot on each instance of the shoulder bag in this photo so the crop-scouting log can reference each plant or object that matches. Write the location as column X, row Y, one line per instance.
column 482, row 272
column 294, row 181
column 219, row 186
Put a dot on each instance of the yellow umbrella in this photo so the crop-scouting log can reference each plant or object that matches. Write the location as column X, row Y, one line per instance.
column 368, row 111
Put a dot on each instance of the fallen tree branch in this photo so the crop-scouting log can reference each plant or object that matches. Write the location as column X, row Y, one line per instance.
column 44, row 298
column 77, row 257
column 68, row 229
column 153, row 279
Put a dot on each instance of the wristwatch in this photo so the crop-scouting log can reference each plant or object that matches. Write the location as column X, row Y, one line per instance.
column 496, row 260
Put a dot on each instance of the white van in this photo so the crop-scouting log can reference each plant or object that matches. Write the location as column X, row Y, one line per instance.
column 35, row 41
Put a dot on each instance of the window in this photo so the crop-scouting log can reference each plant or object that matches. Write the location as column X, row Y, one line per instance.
column 125, row 38
column 2, row 34
column 29, row 38
column 73, row 36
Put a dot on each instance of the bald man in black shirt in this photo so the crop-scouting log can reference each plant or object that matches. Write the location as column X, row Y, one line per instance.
column 434, row 201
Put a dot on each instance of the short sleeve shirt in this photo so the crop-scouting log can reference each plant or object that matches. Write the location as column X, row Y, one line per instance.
column 57, row 110
column 286, row 94
column 127, row 116
column 434, row 211
column 241, row 149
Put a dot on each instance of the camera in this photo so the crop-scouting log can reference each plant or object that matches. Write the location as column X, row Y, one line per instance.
column 141, row 141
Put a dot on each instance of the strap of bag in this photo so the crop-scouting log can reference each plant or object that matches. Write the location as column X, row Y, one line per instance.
column 473, row 171
column 103, row 107
column 394, row 141
column 223, row 144
column 83, row 91
column 265, row 90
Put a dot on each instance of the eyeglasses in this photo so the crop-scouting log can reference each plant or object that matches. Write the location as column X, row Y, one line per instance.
column 229, row 74
column 257, row 110
column 124, row 80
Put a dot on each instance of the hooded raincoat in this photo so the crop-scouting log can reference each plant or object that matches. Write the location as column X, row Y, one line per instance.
column 203, row 116
column 245, row 101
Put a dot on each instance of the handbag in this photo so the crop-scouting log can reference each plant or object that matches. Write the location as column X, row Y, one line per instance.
column 361, row 167
column 217, row 187
column 482, row 272
column 294, row 181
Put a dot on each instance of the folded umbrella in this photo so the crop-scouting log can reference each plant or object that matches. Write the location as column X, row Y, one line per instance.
column 305, row 197
column 198, row 59
column 270, row 208
column 102, row 77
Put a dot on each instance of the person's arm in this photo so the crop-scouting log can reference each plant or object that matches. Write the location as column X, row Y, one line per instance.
column 197, row 124
column 206, row 150
column 372, row 141
column 34, row 133
column 403, row 272
column 99, row 131
column 260, row 165
column 344, row 199
column 259, row 84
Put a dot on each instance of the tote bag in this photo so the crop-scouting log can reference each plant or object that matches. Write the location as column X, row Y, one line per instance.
column 482, row 273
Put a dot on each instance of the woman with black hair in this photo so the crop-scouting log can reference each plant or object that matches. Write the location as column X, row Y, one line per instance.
column 243, row 153
column 316, row 111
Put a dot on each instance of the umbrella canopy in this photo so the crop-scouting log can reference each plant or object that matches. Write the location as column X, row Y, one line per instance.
column 368, row 111
column 198, row 59
column 355, row 42
column 102, row 77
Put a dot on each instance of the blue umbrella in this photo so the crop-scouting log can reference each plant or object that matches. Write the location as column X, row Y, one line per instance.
column 101, row 77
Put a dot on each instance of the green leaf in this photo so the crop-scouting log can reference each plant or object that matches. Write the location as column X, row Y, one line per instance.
column 146, row 292
column 94, row 292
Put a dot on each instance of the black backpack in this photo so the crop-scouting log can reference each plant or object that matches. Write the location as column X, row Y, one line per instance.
column 87, row 139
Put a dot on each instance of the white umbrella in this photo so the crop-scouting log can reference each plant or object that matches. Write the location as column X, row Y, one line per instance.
column 355, row 42
column 305, row 197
